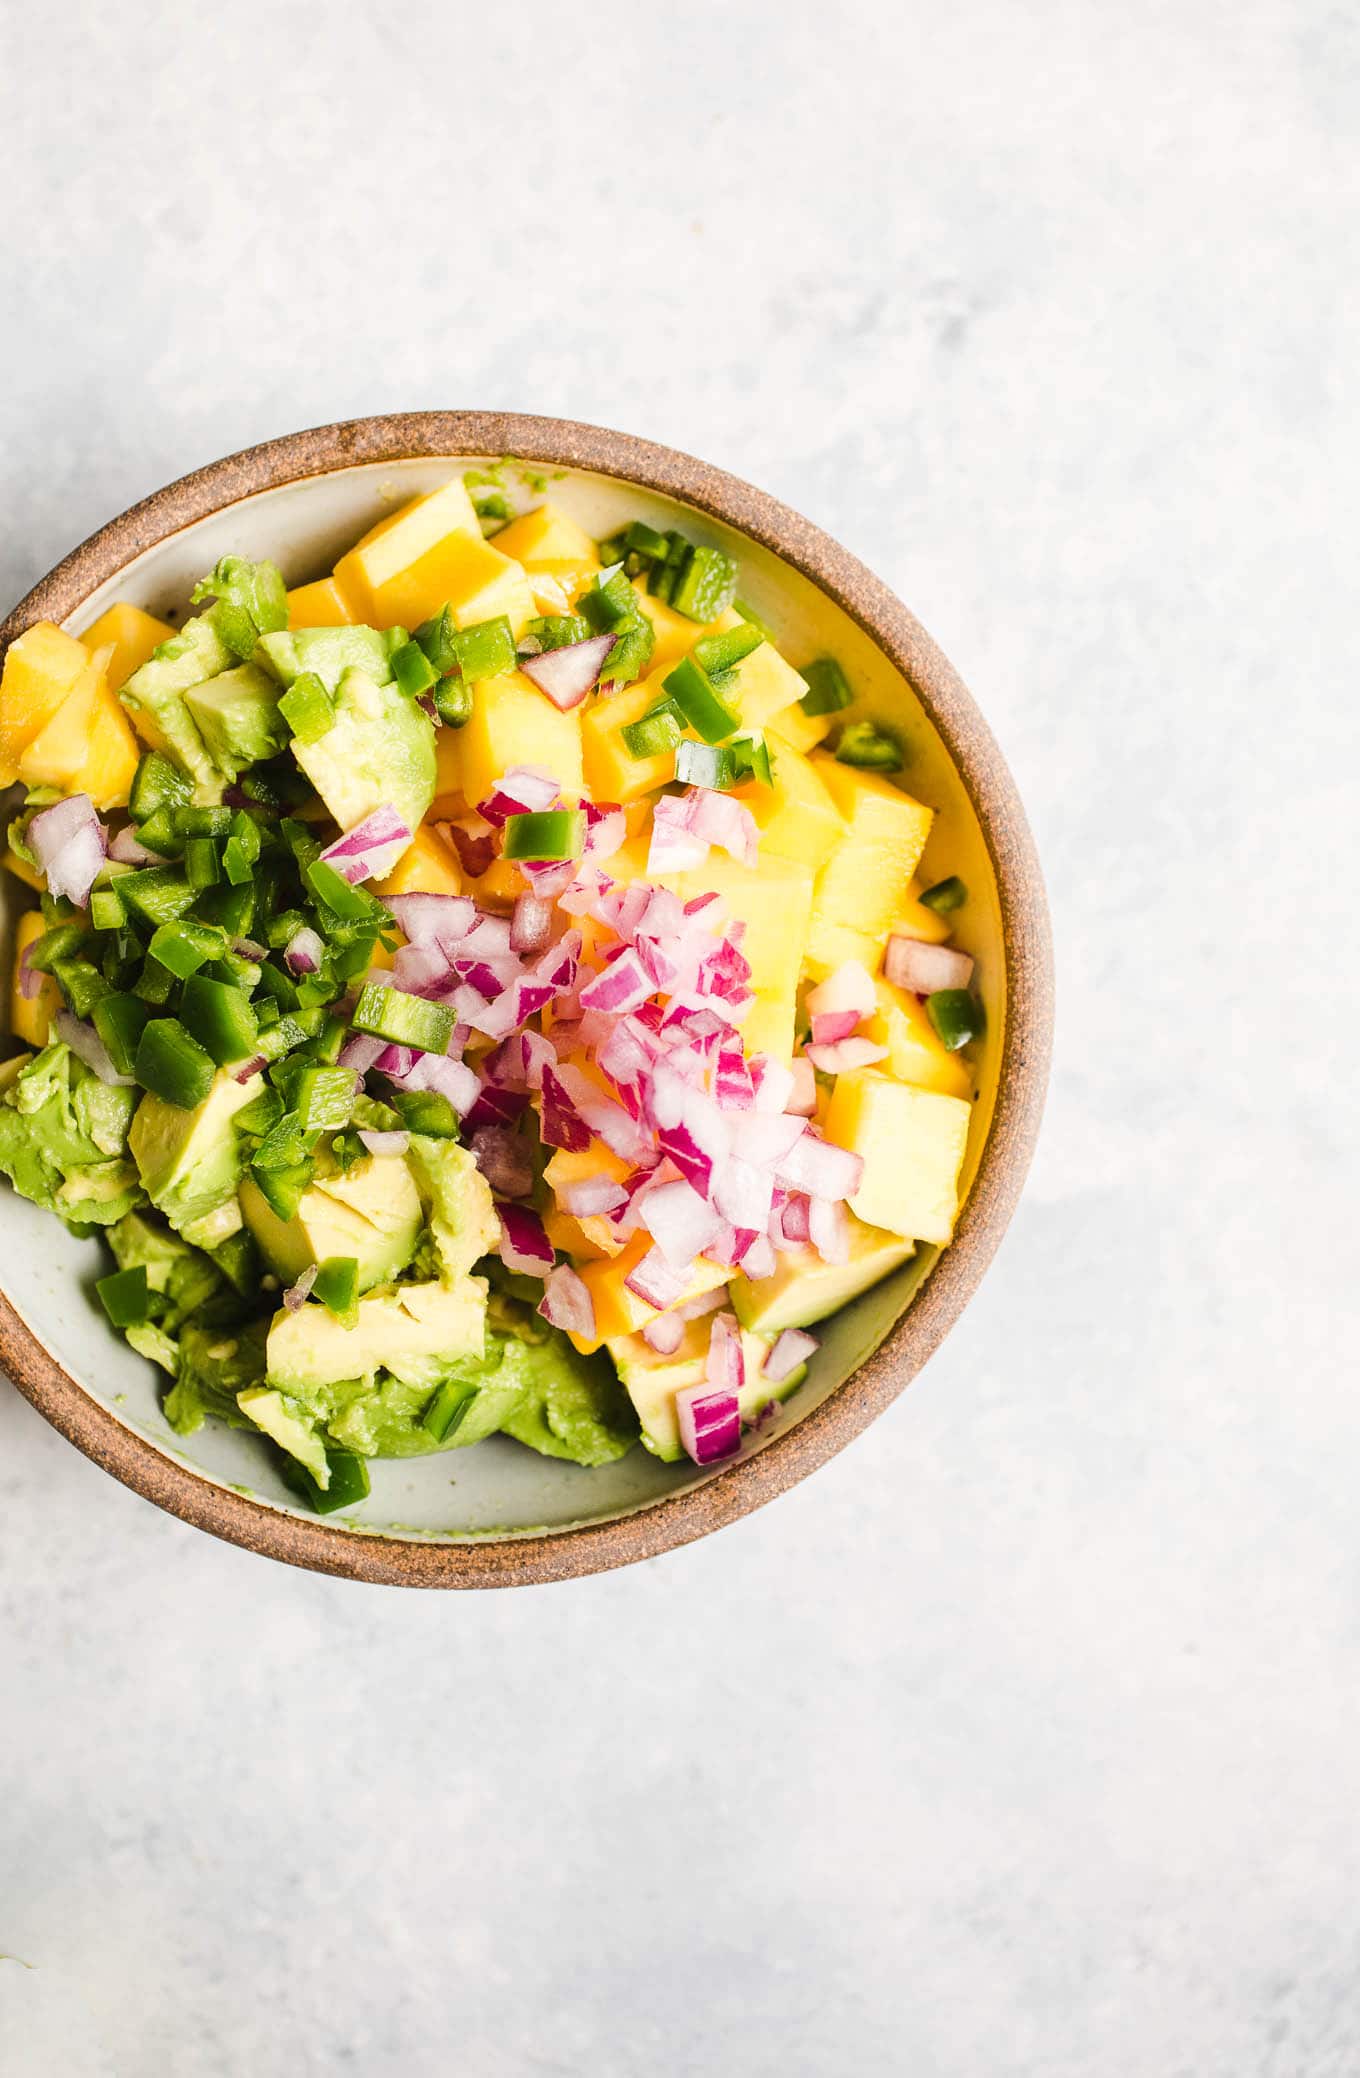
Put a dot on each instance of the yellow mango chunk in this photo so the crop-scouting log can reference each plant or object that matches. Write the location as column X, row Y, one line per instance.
column 320, row 605
column 914, row 920
column 30, row 1018
column 591, row 1239
column 675, row 633
column 41, row 667
column 830, row 945
column 915, row 1054
column 21, row 870
column 912, row 1142
column 763, row 685
column 401, row 540
column 512, row 723
column 796, row 817
column 428, row 866
column 111, row 756
column 448, row 767
column 428, row 556
column 619, row 1311
column 866, row 880
column 550, row 543
column 612, row 772
column 803, row 731
column 56, row 755
column 131, row 635
column 768, row 1027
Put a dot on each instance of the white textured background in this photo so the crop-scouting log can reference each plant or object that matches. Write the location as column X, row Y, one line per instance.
column 1023, row 1738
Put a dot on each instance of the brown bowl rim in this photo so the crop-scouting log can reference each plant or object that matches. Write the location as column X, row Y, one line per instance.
column 745, row 1485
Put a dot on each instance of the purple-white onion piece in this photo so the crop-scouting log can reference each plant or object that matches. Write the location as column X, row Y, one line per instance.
column 845, row 1056
column 705, row 1302
column 592, row 1197
column 433, row 919
column 305, row 951
column 248, row 949
column 801, row 1101
column 829, row 1230
column 296, row 1294
column 86, row 1044
column 679, row 1221
column 664, row 1333
column 394, row 1141
column 566, row 675
column 127, row 848
column 786, row 1353
column 30, row 977
column 243, row 1070
column 821, row 1169
column 531, row 924
column 525, row 790
column 848, row 992
column 524, row 1245
column 921, row 968
column 725, row 1366
column 710, row 1423
column 567, row 1303
column 655, row 1282
column 68, row 841
column 371, row 848
column 504, row 1159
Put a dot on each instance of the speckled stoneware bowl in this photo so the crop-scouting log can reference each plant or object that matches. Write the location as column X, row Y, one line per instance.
column 499, row 1515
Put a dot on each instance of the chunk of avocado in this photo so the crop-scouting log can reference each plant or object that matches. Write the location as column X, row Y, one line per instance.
column 572, row 1406
column 63, row 1139
column 652, row 1381
column 458, row 1202
column 190, row 1161
column 330, row 653
column 237, row 716
column 292, row 1427
column 372, row 1212
column 415, row 1331
column 379, row 751
column 154, row 696
column 804, row 1289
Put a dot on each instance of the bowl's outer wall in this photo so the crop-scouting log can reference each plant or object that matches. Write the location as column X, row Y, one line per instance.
column 1022, row 1067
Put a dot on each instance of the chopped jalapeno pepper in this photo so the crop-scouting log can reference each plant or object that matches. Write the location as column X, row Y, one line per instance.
column 171, row 1064
column 956, row 1015
column 404, row 1020
column 123, row 1295
column 220, row 1018
column 553, row 833
column 828, row 688
column 946, row 896
column 698, row 703
column 863, row 745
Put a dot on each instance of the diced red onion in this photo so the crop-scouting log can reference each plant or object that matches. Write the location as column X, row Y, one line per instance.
column 849, row 989
column 87, row 1046
column 561, row 1124
column 845, row 1055
column 504, row 1159
column 831, row 1026
column 674, row 846
column 921, row 968
column 664, row 1333
column 764, row 1140
column 723, row 820
column 794, row 1220
column 744, row 1194
column 524, row 1245
column 591, row 1197
column 30, row 977
column 828, row 1229
column 567, row 1303
column 127, row 848
column 606, row 830
column 802, row 1099
column 680, row 1222
column 621, row 987
column 304, row 951
column 361, row 1052
column 444, row 920
column 474, row 841
column 760, row 1259
column 788, row 1351
column 531, row 925
column 296, row 1294
column 248, row 949
column 566, row 675
column 394, row 1142
column 710, row 1423
column 725, row 1367
column 371, row 848
column 822, row 1170
column 243, row 1070
column 771, row 1083
column 655, row 1282
column 495, row 1106
column 433, row 1071
column 525, row 790
column 68, row 842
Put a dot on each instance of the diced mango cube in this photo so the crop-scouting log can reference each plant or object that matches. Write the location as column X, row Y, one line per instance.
column 30, row 1017
column 619, row 1311
column 401, row 540
column 21, row 870
column 830, row 945
column 513, row 723
column 915, row 1054
column 803, row 731
column 550, row 542
column 112, row 754
column 762, row 686
column 320, row 605
column 865, row 881
column 592, row 1239
column 41, row 667
column 914, row 920
column 768, row 1027
column 797, row 817
column 131, row 634
column 429, row 556
column 613, row 773
column 448, row 764
column 912, row 1142
column 428, row 866
column 56, row 755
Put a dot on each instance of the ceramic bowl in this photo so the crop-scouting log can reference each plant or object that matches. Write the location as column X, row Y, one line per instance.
column 498, row 1514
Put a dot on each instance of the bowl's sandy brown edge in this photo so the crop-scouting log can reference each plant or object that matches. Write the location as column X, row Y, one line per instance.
column 564, row 1554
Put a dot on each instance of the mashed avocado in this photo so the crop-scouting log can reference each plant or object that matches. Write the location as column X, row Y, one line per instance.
column 63, row 1140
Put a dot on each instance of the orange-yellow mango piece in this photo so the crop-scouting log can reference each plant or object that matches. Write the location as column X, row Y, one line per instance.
column 131, row 634
column 41, row 667
column 428, row 866
column 320, row 605
column 30, row 1017
column 619, row 1311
